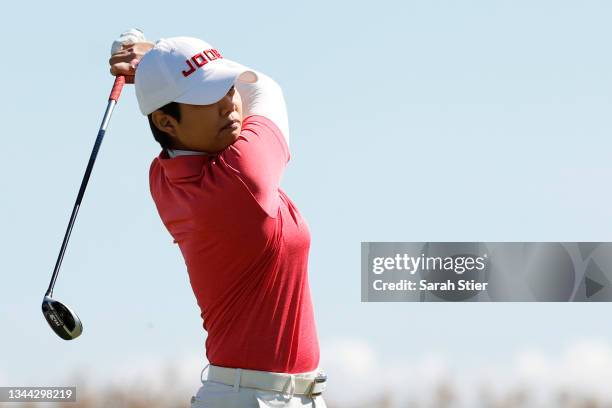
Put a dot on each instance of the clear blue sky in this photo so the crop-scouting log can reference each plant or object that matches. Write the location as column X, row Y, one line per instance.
column 410, row 121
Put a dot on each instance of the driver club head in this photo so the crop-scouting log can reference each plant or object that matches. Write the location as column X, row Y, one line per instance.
column 62, row 319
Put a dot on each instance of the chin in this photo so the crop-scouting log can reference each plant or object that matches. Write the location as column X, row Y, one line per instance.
column 230, row 140
column 235, row 134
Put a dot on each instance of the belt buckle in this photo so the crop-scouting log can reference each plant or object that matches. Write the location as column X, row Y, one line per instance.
column 320, row 378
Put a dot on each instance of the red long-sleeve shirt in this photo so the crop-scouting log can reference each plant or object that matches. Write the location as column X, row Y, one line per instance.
column 246, row 246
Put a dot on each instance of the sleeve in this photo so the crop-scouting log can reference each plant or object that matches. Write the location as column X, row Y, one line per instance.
column 258, row 159
column 265, row 98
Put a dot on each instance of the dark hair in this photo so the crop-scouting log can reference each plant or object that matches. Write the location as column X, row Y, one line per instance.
column 164, row 139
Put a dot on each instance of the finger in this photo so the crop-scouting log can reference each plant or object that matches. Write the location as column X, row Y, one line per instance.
column 129, row 79
column 122, row 68
column 121, row 57
column 122, row 51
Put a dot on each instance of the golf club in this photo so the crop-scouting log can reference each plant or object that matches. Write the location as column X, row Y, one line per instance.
column 63, row 320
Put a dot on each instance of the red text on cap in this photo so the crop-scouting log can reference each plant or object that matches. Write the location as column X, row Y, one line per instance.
column 200, row 59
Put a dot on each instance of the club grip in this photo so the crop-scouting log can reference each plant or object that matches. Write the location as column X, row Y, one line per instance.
column 117, row 87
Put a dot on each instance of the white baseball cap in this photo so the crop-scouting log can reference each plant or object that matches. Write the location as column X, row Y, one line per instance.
column 185, row 70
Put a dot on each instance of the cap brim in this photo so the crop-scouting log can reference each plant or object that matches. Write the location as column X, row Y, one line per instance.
column 216, row 83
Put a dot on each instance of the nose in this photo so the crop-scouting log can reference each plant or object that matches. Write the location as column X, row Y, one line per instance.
column 226, row 104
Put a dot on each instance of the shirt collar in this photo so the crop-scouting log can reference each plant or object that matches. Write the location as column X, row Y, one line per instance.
column 182, row 166
column 177, row 152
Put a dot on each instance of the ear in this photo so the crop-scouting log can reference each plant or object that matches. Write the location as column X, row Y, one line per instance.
column 165, row 123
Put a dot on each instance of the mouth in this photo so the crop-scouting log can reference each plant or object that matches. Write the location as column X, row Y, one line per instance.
column 234, row 124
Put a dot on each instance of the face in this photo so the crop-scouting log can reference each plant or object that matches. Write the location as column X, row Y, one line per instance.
column 204, row 128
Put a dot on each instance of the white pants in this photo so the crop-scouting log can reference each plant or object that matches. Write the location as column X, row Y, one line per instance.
column 218, row 395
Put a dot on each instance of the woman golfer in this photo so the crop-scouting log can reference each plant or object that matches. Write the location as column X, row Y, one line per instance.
column 224, row 135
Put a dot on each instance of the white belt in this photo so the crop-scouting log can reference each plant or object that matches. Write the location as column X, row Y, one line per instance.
column 311, row 384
